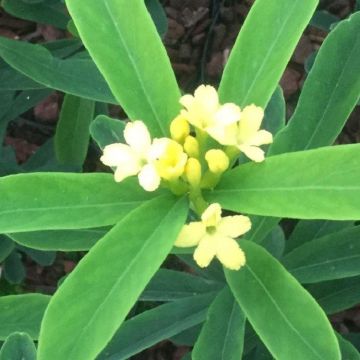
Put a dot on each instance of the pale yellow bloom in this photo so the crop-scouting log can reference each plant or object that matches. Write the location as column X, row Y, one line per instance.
column 191, row 146
column 217, row 161
column 246, row 136
column 192, row 172
column 179, row 129
column 132, row 158
column 168, row 157
column 204, row 111
column 214, row 237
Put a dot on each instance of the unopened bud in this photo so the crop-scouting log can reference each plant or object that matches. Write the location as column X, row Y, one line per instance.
column 192, row 172
column 191, row 146
column 217, row 161
column 179, row 129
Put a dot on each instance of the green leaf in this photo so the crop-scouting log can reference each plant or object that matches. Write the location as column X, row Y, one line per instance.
column 43, row 258
column 323, row 20
column 18, row 346
column 316, row 176
column 60, row 240
column 331, row 257
column 42, row 13
column 22, row 313
column 14, row 271
column 284, row 315
column 155, row 325
column 274, row 242
column 307, row 230
column 49, row 201
column 336, row 295
column 72, row 131
column 105, row 130
column 332, row 83
column 6, row 247
column 274, row 119
column 108, row 280
column 170, row 285
column 348, row 351
column 77, row 76
column 222, row 335
column 133, row 63
column 262, row 50
column 261, row 227
column 158, row 15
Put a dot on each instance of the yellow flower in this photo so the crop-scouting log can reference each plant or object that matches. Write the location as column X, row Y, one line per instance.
column 168, row 157
column 192, row 172
column 132, row 158
column 179, row 129
column 217, row 161
column 246, row 136
column 214, row 236
column 204, row 111
column 191, row 146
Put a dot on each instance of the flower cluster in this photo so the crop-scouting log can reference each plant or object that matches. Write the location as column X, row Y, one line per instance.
column 206, row 139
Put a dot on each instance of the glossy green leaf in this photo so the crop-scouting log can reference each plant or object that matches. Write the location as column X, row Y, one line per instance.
column 323, row 20
column 60, row 240
column 170, row 285
column 188, row 337
column 296, row 185
column 43, row 258
column 22, row 313
column 76, row 76
column 72, row 131
column 284, row 315
column 133, row 62
column 274, row 119
column 18, row 346
column 261, row 227
column 259, row 58
column 274, row 242
column 105, row 130
column 348, row 350
column 222, row 335
column 308, row 230
column 48, row 201
column 108, row 280
column 331, row 257
column 336, row 295
column 155, row 325
column 42, row 13
column 336, row 89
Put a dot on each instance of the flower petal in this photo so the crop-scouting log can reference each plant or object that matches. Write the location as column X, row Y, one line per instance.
column 228, row 113
column 250, row 122
column 223, row 134
column 252, row 152
column 234, row 226
column 148, row 177
column 205, row 251
column 118, row 155
column 126, row 170
column 262, row 137
column 190, row 234
column 229, row 253
column 186, row 101
column 212, row 215
column 206, row 96
column 137, row 135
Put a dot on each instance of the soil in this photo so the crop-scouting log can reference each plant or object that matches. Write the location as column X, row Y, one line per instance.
column 200, row 36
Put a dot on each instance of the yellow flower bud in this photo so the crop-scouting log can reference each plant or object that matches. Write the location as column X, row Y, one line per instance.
column 217, row 161
column 179, row 129
column 191, row 146
column 192, row 172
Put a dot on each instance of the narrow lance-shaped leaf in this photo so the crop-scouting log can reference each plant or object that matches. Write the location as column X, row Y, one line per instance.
column 222, row 335
column 48, row 201
column 133, row 63
column 18, row 346
column 155, row 325
column 262, row 50
column 22, row 313
column 303, row 184
column 72, row 131
column 334, row 82
column 284, row 315
column 76, row 76
column 331, row 257
column 108, row 280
